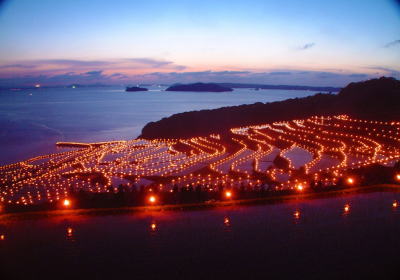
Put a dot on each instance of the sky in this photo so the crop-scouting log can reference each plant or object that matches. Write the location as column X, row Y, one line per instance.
column 123, row 42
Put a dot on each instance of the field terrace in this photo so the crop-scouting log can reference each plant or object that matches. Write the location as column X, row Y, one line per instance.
column 290, row 155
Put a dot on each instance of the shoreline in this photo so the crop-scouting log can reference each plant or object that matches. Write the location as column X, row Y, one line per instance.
column 201, row 205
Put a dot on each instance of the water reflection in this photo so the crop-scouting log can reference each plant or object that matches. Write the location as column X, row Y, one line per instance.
column 153, row 227
column 346, row 209
column 227, row 222
column 296, row 215
column 70, row 234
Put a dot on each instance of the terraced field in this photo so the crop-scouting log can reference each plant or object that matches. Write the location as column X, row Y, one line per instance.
column 281, row 155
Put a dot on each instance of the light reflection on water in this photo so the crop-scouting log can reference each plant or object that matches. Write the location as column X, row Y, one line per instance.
column 326, row 232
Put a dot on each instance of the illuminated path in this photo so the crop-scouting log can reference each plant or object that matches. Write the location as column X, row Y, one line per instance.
column 281, row 154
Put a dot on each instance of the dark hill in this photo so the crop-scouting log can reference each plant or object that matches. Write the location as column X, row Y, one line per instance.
column 373, row 99
column 199, row 87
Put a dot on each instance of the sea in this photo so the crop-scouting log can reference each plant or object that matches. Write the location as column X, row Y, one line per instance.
column 33, row 120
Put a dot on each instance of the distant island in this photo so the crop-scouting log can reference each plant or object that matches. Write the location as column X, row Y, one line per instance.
column 136, row 89
column 373, row 99
column 282, row 87
column 206, row 87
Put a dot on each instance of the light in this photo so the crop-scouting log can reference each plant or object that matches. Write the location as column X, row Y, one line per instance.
column 296, row 214
column 300, row 187
column 152, row 199
column 67, row 202
column 227, row 222
column 346, row 208
column 398, row 177
column 350, row 181
column 153, row 226
column 395, row 204
column 2, row 237
column 70, row 231
column 228, row 194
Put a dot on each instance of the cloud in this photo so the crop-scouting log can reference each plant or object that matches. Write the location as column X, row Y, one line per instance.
column 392, row 44
column 281, row 76
column 17, row 66
column 149, row 62
column 385, row 71
column 280, row 73
column 307, row 46
column 57, row 66
column 94, row 73
column 358, row 75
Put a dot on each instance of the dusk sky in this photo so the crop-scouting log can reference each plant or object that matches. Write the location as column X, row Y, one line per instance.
column 153, row 41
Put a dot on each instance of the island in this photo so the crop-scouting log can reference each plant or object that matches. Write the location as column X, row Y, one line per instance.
column 201, row 87
column 136, row 89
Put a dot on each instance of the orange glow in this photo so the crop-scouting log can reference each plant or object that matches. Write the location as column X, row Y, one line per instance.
column 153, row 226
column 398, row 177
column 296, row 214
column 152, row 199
column 346, row 208
column 227, row 222
column 2, row 237
column 350, row 180
column 300, row 187
column 228, row 194
column 395, row 204
column 67, row 203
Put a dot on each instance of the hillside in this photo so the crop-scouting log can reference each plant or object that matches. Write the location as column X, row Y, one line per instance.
column 372, row 99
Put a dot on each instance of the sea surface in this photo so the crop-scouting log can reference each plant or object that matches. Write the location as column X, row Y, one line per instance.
column 31, row 121
column 345, row 237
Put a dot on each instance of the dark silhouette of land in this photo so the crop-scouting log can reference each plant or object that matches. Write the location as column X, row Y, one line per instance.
column 136, row 89
column 211, row 87
column 283, row 87
column 377, row 99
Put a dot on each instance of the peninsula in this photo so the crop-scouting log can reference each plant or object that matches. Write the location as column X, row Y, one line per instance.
column 207, row 87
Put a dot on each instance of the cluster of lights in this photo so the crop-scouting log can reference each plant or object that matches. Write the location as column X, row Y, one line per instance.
column 336, row 145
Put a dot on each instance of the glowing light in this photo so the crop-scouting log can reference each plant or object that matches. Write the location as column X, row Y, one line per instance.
column 152, row 199
column 395, row 204
column 37, row 86
column 346, row 208
column 227, row 221
column 300, row 187
column 2, row 237
column 153, row 226
column 296, row 214
column 398, row 177
column 350, row 181
column 228, row 194
column 67, row 202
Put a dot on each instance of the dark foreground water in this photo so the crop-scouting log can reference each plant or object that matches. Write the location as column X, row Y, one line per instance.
column 31, row 121
column 252, row 242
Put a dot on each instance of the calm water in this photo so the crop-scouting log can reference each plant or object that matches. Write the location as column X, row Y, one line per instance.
column 252, row 242
column 32, row 121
